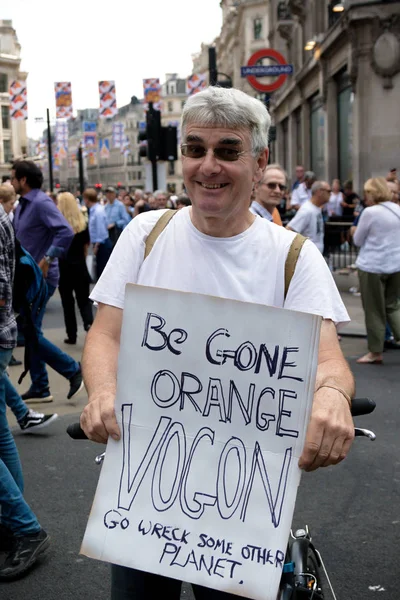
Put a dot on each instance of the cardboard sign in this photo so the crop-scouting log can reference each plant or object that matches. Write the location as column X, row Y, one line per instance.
column 213, row 402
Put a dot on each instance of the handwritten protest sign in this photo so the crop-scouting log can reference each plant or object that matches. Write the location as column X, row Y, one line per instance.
column 213, row 401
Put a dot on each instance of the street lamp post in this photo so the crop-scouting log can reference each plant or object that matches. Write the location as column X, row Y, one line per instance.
column 49, row 152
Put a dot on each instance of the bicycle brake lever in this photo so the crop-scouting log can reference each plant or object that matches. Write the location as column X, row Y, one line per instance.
column 99, row 458
column 364, row 433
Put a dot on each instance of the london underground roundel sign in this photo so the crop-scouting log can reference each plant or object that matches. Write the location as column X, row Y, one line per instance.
column 252, row 70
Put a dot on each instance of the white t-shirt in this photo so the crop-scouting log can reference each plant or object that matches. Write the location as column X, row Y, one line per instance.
column 334, row 205
column 378, row 235
column 247, row 267
column 300, row 195
column 309, row 222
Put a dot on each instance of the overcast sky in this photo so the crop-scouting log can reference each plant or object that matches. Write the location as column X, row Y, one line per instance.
column 84, row 41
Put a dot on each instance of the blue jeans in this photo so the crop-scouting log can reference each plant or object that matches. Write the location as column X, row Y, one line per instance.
column 47, row 353
column 15, row 512
column 13, row 399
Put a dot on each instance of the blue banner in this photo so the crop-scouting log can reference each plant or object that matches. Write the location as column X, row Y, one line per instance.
column 89, row 126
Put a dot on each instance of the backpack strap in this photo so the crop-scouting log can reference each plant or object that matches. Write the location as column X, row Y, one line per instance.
column 157, row 230
column 291, row 259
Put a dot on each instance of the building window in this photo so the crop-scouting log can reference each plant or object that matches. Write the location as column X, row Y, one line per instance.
column 5, row 117
column 171, row 167
column 170, row 106
column 3, row 83
column 317, row 137
column 8, row 156
column 345, row 126
column 139, row 174
column 257, row 28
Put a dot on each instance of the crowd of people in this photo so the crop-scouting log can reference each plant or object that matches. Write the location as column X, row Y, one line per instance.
column 231, row 189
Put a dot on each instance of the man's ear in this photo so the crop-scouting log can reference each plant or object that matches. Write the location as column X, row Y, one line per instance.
column 262, row 162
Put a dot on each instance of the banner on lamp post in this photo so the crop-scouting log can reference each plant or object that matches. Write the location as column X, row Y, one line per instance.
column 108, row 100
column 18, row 100
column 63, row 93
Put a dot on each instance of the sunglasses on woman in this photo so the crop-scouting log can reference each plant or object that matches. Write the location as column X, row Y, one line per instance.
column 220, row 152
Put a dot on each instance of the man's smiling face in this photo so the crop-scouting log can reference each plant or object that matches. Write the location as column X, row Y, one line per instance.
column 219, row 188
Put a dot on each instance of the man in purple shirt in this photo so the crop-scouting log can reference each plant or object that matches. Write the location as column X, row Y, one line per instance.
column 45, row 233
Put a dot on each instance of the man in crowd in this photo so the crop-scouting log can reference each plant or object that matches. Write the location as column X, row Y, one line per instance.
column 350, row 201
column 309, row 220
column 299, row 177
column 394, row 187
column 392, row 175
column 28, row 419
column 269, row 193
column 224, row 153
column 303, row 191
column 122, row 191
column 45, row 233
column 182, row 201
column 98, row 230
column 115, row 214
column 161, row 199
column 21, row 536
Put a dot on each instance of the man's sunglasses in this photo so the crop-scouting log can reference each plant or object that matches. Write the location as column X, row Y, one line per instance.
column 272, row 185
column 221, row 153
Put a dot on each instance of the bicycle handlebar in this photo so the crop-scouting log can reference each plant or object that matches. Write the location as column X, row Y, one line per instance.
column 359, row 406
column 362, row 406
column 76, row 432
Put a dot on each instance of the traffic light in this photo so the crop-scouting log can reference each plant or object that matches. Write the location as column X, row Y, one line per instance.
column 156, row 142
column 150, row 139
column 169, row 143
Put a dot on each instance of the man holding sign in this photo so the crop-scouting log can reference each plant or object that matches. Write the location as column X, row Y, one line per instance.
column 217, row 247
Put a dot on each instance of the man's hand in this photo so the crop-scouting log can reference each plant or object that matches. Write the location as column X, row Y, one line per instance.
column 330, row 432
column 95, row 249
column 111, row 225
column 98, row 418
column 44, row 266
column 2, row 302
column 99, row 366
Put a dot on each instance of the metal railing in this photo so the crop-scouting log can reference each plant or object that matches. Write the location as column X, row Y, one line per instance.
column 339, row 250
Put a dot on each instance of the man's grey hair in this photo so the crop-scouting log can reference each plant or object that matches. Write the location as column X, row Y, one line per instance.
column 274, row 167
column 158, row 193
column 316, row 186
column 229, row 108
column 309, row 175
column 139, row 192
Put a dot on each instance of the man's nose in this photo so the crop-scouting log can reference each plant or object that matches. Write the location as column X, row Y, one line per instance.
column 210, row 164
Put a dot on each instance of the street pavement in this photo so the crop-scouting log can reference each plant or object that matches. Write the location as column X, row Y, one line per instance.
column 353, row 510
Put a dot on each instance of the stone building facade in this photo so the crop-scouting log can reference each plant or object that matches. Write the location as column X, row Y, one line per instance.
column 13, row 135
column 338, row 114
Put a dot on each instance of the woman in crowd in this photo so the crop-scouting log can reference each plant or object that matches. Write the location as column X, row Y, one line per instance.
column 378, row 236
column 334, row 206
column 129, row 203
column 74, row 275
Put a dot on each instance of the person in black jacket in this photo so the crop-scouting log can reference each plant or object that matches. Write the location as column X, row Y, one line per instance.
column 74, row 274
